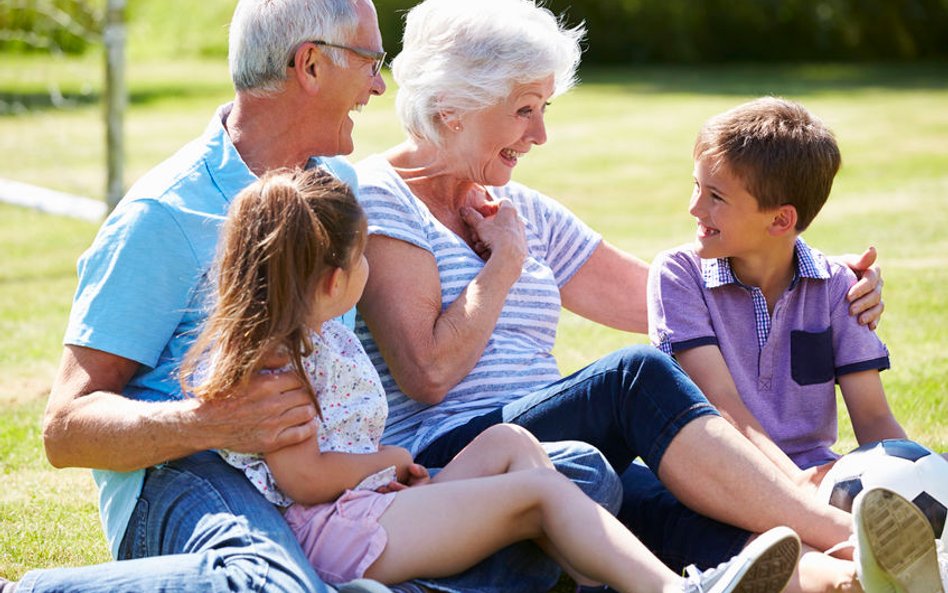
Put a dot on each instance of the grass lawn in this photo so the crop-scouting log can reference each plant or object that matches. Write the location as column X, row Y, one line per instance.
column 618, row 155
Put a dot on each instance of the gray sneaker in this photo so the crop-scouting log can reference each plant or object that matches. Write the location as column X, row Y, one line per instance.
column 364, row 586
column 895, row 545
column 764, row 566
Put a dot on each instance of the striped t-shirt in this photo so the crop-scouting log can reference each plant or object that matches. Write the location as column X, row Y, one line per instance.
column 518, row 357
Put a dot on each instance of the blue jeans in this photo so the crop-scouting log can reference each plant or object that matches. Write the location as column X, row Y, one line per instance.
column 199, row 526
column 628, row 404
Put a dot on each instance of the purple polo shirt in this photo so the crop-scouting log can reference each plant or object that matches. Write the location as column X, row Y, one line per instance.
column 785, row 366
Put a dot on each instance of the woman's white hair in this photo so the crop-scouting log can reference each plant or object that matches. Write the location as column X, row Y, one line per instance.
column 460, row 56
column 264, row 34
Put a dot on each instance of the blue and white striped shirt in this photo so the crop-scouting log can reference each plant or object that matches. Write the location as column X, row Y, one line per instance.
column 518, row 357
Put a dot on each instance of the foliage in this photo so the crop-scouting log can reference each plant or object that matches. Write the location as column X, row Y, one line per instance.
column 620, row 31
column 56, row 26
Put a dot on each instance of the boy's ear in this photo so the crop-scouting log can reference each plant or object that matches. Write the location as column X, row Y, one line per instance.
column 784, row 221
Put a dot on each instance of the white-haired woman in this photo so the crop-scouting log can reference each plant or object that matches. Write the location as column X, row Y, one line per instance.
column 470, row 270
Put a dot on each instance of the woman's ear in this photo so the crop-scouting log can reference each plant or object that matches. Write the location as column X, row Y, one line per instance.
column 784, row 221
column 451, row 120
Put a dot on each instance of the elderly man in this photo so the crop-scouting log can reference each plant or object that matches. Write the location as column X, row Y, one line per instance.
column 299, row 67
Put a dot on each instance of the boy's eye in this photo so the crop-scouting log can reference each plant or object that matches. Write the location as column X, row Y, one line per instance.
column 717, row 197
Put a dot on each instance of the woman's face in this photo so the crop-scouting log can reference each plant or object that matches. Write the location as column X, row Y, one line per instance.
column 491, row 141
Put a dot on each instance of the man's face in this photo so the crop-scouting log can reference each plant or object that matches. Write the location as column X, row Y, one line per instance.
column 348, row 88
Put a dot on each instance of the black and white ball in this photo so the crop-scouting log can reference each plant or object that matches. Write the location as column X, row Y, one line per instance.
column 905, row 467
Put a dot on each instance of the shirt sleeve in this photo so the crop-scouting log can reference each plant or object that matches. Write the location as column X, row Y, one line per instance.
column 569, row 242
column 855, row 347
column 135, row 283
column 678, row 315
column 391, row 213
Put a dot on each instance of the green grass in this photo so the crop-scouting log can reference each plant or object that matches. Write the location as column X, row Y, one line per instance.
column 618, row 155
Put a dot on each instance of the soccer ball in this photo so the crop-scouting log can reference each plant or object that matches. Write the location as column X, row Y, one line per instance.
column 905, row 467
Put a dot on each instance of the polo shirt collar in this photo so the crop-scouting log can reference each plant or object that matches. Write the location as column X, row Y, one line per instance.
column 225, row 165
column 717, row 272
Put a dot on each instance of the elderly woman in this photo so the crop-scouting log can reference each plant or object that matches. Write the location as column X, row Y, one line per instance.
column 470, row 271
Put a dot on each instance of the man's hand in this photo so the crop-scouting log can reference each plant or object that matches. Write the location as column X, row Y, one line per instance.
column 865, row 296
column 272, row 412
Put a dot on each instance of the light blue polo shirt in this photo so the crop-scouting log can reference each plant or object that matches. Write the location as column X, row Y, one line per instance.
column 143, row 282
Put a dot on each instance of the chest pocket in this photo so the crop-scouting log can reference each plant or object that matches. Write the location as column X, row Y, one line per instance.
column 811, row 356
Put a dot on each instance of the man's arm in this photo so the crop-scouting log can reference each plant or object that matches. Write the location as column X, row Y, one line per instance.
column 89, row 423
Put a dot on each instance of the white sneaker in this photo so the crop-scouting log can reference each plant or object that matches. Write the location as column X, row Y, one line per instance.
column 895, row 545
column 764, row 566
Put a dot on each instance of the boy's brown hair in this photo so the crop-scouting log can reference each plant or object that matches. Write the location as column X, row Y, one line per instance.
column 781, row 152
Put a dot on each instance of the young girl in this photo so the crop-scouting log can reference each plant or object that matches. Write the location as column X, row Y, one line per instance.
column 290, row 262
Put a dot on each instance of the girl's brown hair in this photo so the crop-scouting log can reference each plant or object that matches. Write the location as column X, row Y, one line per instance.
column 283, row 233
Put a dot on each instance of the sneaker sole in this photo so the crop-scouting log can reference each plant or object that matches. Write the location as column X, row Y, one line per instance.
column 774, row 566
column 902, row 542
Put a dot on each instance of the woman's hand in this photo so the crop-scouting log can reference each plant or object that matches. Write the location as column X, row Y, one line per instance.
column 865, row 296
column 500, row 232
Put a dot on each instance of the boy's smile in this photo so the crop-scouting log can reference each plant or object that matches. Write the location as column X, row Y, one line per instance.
column 730, row 223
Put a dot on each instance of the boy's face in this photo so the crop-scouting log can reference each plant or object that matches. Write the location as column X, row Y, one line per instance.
column 730, row 224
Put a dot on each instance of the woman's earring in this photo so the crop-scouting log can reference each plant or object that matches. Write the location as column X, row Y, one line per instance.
column 457, row 128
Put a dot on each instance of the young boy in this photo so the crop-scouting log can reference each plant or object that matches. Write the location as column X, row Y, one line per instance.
column 755, row 316
column 758, row 318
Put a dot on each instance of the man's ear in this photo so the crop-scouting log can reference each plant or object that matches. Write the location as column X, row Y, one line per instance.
column 307, row 63
column 784, row 220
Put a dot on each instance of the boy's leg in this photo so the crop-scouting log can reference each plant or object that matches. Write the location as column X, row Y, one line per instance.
column 199, row 526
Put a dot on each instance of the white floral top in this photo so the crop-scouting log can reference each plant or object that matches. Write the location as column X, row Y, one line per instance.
column 350, row 397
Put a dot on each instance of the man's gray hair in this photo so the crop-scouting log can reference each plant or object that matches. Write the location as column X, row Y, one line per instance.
column 264, row 34
column 460, row 56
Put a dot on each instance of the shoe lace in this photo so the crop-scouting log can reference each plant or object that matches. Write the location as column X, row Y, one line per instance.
column 699, row 581
column 848, row 543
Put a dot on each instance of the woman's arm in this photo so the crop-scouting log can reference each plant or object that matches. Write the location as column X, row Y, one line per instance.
column 609, row 289
column 429, row 350
column 309, row 476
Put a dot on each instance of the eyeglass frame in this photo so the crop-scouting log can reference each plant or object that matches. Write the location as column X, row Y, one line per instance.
column 376, row 56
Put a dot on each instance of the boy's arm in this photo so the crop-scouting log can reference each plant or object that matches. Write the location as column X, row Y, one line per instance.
column 707, row 368
column 869, row 411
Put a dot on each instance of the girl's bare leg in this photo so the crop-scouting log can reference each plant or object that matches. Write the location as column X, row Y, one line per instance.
column 820, row 573
column 717, row 472
column 444, row 528
column 505, row 448
column 500, row 449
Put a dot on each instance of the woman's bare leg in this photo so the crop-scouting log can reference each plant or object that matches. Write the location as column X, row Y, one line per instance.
column 717, row 472
column 444, row 528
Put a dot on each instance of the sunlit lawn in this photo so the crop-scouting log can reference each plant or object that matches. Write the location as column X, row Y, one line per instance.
column 618, row 155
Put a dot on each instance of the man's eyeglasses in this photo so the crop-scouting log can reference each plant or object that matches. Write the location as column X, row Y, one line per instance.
column 377, row 57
